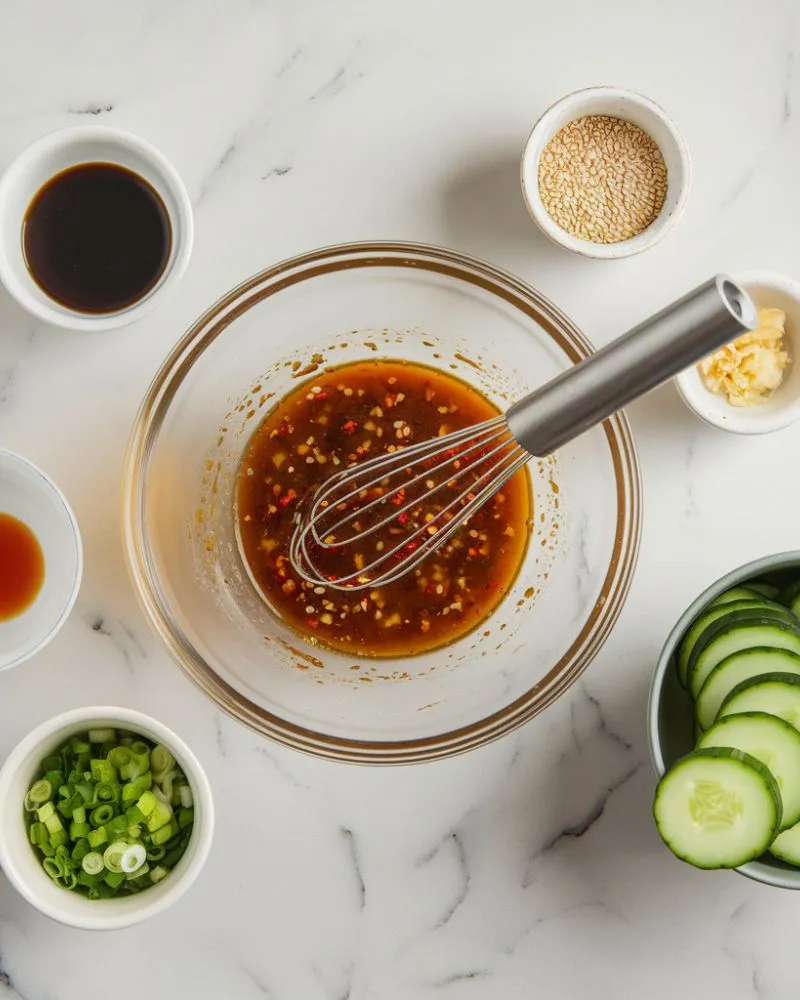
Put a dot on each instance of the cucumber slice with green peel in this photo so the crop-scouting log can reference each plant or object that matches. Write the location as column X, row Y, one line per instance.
column 794, row 607
column 775, row 694
column 735, row 594
column 786, row 846
column 742, row 630
column 738, row 667
column 769, row 590
column 788, row 594
column 711, row 614
column 717, row 808
column 772, row 741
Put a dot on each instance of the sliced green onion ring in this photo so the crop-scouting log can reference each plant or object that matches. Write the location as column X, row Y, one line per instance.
column 41, row 791
column 92, row 863
column 161, row 760
column 112, row 856
column 133, row 858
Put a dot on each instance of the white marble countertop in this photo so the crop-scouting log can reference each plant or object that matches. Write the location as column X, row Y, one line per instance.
column 530, row 868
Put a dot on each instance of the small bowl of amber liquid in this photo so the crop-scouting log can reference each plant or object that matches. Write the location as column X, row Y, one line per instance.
column 41, row 559
column 96, row 226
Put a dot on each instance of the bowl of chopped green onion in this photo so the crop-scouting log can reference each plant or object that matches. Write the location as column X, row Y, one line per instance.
column 106, row 818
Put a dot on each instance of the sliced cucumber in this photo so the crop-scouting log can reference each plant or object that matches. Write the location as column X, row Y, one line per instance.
column 786, row 845
column 703, row 620
column 742, row 630
column 794, row 607
column 788, row 594
column 740, row 667
column 772, row 741
column 717, row 808
column 775, row 694
column 735, row 594
column 769, row 590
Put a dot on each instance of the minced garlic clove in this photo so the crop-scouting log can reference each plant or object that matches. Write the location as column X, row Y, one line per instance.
column 751, row 368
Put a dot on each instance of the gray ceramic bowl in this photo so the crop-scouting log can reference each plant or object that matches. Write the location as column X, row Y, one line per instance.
column 670, row 715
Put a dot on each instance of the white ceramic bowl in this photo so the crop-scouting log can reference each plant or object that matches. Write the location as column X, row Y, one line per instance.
column 783, row 407
column 29, row 495
column 22, row 866
column 632, row 107
column 58, row 151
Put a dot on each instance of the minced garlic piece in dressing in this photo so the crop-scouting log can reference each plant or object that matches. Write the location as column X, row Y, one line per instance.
column 752, row 367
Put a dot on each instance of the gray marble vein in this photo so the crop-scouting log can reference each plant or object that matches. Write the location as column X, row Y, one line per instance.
column 459, row 978
column 7, row 990
column 352, row 852
column 452, row 850
column 576, row 830
column 280, row 171
column 121, row 638
column 220, row 736
column 257, row 982
column 92, row 109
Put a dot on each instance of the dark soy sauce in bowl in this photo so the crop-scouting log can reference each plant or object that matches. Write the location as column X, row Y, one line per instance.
column 97, row 238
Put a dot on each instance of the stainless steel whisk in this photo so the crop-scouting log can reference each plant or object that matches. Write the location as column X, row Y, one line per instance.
column 483, row 457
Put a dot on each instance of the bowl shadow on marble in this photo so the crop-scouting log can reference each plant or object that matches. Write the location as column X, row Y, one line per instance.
column 483, row 208
column 92, row 485
column 18, row 330
column 661, row 416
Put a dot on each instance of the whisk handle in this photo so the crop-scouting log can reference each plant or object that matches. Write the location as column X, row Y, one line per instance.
column 714, row 314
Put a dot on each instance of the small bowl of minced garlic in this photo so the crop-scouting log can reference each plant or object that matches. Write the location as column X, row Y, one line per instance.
column 605, row 173
column 752, row 386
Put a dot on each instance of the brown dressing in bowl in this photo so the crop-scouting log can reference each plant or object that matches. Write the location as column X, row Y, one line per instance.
column 338, row 419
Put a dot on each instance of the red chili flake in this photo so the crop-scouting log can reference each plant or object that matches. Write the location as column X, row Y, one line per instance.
column 283, row 428
column 402, row 518
column 320, row 396
column 473, row 552
column 411, row 546
column 332, row 577
column 398, row 498
column 312, row 622
column 349, row 426
column 284, row 501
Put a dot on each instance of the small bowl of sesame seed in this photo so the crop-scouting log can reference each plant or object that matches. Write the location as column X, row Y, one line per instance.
column 605, row 173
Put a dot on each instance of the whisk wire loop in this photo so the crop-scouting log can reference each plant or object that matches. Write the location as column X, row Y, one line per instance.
column 486, row 456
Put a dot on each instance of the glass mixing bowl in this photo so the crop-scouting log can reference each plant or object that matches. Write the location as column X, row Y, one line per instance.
column 327, row 307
